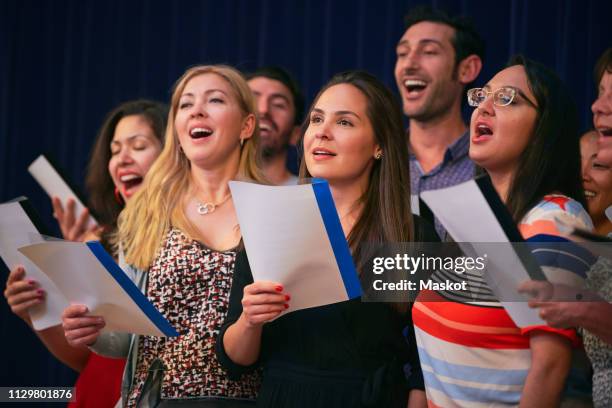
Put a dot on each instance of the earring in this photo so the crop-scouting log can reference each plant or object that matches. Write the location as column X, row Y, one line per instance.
column 118, row 197
column 241, row 142
column 378, row 155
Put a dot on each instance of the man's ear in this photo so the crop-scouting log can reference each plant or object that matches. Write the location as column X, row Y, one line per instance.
column 469, row 68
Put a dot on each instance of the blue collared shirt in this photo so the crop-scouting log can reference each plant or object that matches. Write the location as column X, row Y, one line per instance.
column 455, row 168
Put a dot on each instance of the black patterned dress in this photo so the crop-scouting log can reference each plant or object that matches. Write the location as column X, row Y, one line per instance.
column 190, row 285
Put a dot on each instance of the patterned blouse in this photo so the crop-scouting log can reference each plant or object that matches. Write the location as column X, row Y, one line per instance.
column 190, row 285
column 599, row 280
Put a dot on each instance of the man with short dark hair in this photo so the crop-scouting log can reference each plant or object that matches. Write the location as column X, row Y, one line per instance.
column 280, row 106
column 437, row 57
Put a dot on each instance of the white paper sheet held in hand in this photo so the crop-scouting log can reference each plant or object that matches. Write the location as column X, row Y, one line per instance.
column 17, row 230
column 465, row 211
column 88, row 275
column 293, row 236
column 55, row 186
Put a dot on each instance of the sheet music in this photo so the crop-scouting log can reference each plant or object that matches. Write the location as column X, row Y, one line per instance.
column 287, row 241
column 17, row 230
column 87, row 275
column 55, row 186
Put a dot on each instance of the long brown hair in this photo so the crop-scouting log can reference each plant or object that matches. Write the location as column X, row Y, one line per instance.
column 386, row 215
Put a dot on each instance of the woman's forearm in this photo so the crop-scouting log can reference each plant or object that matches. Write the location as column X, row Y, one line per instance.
column 550, row 364
column 242, row 342
column 53, row 338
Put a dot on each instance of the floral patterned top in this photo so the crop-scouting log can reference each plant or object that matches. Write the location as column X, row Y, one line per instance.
column 190, row 285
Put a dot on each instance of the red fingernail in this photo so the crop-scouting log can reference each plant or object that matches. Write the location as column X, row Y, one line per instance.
column 278, row 288
column 40, row 292
column 287, row 297
column 286, row 306
column 31, row 281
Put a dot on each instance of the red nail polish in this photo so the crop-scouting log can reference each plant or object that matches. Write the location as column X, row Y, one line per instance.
column 286, row 306
column 287, row 297
column 40, row 292
column 278, row 288
column 31, row 281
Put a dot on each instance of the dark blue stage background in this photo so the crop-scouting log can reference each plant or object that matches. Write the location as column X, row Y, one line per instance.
column 64, row 64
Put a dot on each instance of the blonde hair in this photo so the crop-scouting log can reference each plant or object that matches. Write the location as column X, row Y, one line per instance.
column 145, row 221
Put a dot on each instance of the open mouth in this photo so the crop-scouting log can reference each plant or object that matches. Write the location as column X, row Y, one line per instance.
column 199, row 133
column 606, row 132
column 589, row 194
column 414, row 86
column 482, row 132
column 130, row 181
column 265, row 127
column 322, row 153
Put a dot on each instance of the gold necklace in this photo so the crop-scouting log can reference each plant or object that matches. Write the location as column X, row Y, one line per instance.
column 209, row 207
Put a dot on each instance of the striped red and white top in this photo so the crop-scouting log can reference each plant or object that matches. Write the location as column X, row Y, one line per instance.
column 472, row 354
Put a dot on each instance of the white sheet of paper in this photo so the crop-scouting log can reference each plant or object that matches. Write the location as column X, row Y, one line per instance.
column 55, row 186
column 17, row 230
column 466, row 215
column 84, row 280
column 286, row 242
column 414, row 204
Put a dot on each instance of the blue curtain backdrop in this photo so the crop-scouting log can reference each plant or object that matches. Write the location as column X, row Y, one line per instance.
column 65, row 63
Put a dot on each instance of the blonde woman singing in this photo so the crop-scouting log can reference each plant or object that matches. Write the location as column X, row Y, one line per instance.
column 180, row 238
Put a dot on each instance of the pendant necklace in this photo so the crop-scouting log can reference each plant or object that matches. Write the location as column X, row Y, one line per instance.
column 209, row 207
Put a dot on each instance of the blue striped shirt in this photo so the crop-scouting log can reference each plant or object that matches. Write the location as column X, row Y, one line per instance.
column 455, row 168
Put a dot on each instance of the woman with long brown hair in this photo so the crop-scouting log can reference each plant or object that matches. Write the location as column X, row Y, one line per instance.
column 353, row 353
column 129, row 141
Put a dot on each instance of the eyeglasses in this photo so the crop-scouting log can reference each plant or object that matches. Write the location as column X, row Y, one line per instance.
column 501, row 97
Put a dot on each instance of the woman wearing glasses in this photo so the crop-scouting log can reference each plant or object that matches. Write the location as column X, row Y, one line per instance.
column 523, row 133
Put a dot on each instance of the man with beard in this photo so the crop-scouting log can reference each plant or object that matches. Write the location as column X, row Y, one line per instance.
column 437, row 57
column 280, row 107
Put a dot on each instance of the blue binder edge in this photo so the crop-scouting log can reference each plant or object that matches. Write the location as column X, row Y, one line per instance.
column 336, row 238
column 143, row 303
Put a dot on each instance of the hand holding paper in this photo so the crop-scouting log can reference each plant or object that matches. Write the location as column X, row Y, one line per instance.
column 80, row 329
column 56, row 186
column 87, row 275
column 73, row 227
column 293, row 236
column 263, row 302
column 16, row 230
